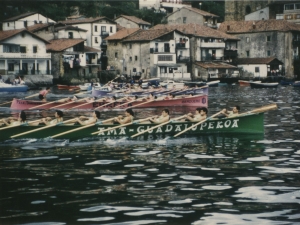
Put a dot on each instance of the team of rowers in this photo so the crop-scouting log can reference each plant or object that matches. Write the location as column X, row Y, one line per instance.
column 199, row 115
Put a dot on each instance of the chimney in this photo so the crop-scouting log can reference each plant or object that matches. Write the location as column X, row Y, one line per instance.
column 228, row 27
column 253, row 25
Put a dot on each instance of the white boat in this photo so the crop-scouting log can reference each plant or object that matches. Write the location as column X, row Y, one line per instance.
column 13, row 88
column 171, row 84
column 87, row 86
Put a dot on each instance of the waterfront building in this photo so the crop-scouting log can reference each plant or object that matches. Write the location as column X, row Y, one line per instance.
column 24, row 20
column 268, row 38
column 23, row 52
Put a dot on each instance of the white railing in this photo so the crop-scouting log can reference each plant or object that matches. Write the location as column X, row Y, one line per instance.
column 212, row 44
column 18, row 55
column 279, row 16
column 175, row 76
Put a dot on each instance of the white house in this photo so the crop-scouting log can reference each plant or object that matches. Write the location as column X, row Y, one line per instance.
column 260, row 67
column 23, row 52
column 97, row 29
column 24, row 20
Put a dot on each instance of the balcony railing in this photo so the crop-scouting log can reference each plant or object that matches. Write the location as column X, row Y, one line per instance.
column 159, row 50
column 211, row 58
column 212, row 44
column 180, row 45
column 183, row 59
column 29, row 72
column 104, row 34
column 18, row 55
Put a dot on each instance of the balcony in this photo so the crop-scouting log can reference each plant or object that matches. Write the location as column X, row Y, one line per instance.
column 104, row 34
column 183, row 59
column 232, row 53
column 19, row 55
column 159, row 50
column 25, row 72
column 212, row 44
column 212, row 58
column 181, row 45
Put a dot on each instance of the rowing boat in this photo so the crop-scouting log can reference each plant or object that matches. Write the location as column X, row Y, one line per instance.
column 190, row 101
column 13, row 88
column 264, row 85
column 247, row 83
column 66, row 87
column 246, row 124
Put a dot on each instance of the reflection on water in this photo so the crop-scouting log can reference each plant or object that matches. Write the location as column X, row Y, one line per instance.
column 212, row 179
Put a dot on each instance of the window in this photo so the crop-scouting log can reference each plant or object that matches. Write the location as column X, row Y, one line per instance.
column 34, row 49
column 247, row 39
column 289, row 7
column 268, row 53
column 116, row 55
column 95, row 28
column 8, row 24
column 96, row 40
column 130, row 59
column 297, row 6
column 35, row 22
column 23, row 49
column 25, row 23
column 103, row 29
column 184, row 20
column 130, row 46
column 11, row 67
column 111, row 29
column 256, row 69
column 165, row 58
column 135, row 58
column 289, row 17
column 248, row 9
column 70, row 35
column 11, row 48
column 247, row 53
column 268, row 38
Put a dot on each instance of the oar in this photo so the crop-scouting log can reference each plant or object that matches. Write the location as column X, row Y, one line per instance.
column 80, row 128
column 48, row 103
column 122, row 125
column 42, row 128
column 72, row 101
column 85, row 104
column 24, row 98
column 208, row 118
column 118, row 106
column 19, row 125
column 141, row 103
column 159, row 125
column 109, row 103
column 261, row 109
column 110, row 81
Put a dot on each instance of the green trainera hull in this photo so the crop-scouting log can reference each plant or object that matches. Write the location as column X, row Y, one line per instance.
column 247, row 124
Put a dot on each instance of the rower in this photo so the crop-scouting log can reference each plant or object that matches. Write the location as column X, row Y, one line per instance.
column 43, row 94
column 161, row 119
column 200, row 114
column 235, row 111
column 83, row 120
column 11, row 121
column 58, row 118
column 129, row 115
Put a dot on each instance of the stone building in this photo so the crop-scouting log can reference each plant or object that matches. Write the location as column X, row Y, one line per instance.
column 268, row 38
column 186, row 15
column 132, row 22
column 211, row 51
column 237, row 10
column 114, row 52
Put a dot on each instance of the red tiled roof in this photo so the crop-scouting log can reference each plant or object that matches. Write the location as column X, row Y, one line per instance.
column 38, row 26
column 121, row 34
column 147, row 35
column 10, row 33
column 86, row 20
column 196, row 30
column 235, row 27
column 256, row 60
column 90, row 49
column 69, row 27
column 215, row 65
column 134, row 19
column 198, row 11
column 58, row 45
column 19, row 16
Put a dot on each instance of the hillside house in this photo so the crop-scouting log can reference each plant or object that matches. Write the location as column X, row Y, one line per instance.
column 132, row 22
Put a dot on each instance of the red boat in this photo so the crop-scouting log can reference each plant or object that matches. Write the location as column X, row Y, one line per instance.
column 67, row 87
column 191, row 101
column 247, row 83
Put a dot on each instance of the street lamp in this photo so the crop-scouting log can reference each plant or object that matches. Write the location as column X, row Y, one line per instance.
column 200, row 3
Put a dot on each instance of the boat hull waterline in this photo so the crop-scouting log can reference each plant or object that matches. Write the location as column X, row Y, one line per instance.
column 193, row 101
column 247, row 124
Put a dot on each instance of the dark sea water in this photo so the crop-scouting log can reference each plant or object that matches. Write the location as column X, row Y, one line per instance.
column 215, row 179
